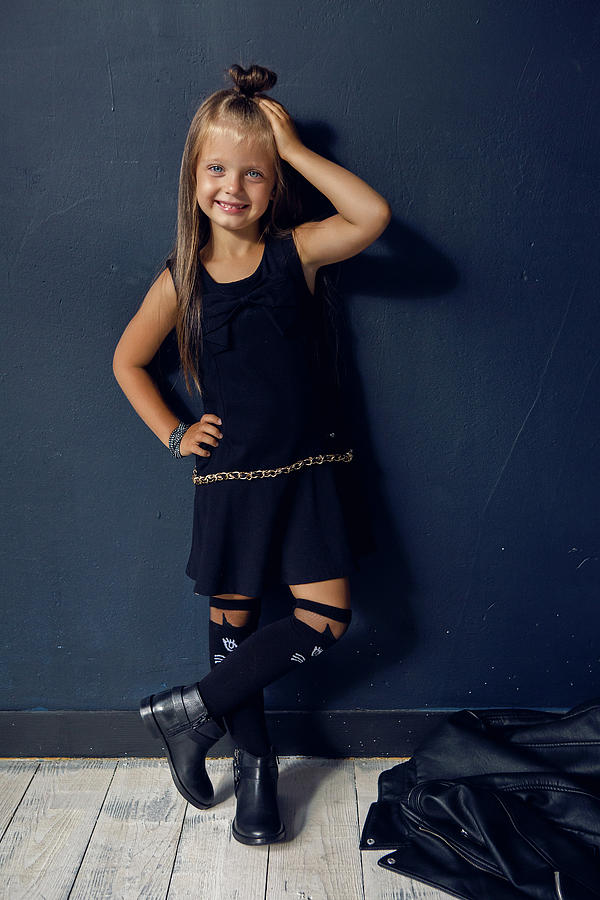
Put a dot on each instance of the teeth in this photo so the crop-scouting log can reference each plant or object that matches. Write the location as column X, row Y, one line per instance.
column 231, row 205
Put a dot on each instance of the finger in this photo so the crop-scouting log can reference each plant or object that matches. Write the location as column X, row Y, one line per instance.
column 207, row 439
column 276, row 110
column 212, row 429
column 194, row 448
column 272, row 105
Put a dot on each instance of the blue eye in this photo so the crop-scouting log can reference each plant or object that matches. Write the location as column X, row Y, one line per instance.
column 250, row 172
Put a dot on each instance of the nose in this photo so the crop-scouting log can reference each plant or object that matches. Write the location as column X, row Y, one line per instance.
column 233, row 183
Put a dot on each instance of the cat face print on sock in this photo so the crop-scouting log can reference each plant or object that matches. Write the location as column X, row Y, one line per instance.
column 325, row 639
column 224, row 638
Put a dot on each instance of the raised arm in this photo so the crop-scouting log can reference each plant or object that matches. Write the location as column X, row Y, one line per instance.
column 363, row 214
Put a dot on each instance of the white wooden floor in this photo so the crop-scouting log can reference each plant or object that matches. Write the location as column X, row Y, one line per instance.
column 118, row 828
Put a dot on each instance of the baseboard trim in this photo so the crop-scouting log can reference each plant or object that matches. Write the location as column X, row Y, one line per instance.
column 113, row 733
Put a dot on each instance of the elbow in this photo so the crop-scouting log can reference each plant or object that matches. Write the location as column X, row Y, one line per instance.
column 116, row 372
column 381, row 220
column 117, row 365
column 386, row 214
column 122, row 367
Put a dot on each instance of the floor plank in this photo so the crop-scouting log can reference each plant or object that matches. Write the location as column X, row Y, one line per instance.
column 210, row 862
column 15, row 776
column 320, row 858
column 379, row 884
column 44, row 843
column 132, row 850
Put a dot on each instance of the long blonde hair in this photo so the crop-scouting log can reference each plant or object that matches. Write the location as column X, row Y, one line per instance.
column 235, row 112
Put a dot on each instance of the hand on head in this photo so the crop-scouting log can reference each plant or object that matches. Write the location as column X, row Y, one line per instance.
column 286, row 136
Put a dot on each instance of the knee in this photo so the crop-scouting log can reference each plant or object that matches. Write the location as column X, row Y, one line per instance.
column 236, row 617
column 238, row 611
column 324, row 618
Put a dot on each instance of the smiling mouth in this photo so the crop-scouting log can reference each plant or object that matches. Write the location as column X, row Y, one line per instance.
column 231, row 205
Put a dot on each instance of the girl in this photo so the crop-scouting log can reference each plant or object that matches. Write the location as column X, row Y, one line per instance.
column 273, row 470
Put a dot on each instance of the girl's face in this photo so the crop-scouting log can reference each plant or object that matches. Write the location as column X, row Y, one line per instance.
column 234, row 182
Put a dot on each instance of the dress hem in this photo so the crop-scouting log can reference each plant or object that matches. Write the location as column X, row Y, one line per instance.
column 349, row 569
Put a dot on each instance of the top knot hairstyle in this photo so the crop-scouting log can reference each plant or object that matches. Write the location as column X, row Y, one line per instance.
column 253, row 80
column 232, row 112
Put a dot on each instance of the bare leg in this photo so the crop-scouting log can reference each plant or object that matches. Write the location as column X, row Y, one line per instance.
column 335, row 592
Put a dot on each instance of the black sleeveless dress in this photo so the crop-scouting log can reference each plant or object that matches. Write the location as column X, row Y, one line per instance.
column 277, row 501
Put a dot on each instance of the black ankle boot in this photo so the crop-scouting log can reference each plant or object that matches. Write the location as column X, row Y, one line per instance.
column 179, row 718
column 257, row 819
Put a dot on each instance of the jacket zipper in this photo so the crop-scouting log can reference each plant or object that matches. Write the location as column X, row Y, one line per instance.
column 417, row 791
column 487, row 869
column 415, row 795
column 490, row 869
column 559, row 893
column 537, row 849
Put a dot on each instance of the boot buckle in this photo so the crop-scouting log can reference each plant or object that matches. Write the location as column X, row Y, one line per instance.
column 236, row 767
column 200, row 720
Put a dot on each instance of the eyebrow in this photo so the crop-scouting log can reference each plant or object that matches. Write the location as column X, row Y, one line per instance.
column 250, row 165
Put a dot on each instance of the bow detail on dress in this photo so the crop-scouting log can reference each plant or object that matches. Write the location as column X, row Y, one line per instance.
column 277, row 302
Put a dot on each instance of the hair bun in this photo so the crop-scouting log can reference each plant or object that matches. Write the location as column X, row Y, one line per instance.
column 252, row 80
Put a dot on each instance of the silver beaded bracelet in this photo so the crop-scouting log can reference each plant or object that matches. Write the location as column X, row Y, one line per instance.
column 175, row 439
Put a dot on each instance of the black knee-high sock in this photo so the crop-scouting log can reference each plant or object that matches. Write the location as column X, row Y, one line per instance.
column 246, row 723
column 262, row 658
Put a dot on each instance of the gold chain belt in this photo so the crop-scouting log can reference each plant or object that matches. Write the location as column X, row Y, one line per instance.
column 271, row 473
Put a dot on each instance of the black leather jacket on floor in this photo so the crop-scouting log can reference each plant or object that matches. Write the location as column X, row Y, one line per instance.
column 497, row 804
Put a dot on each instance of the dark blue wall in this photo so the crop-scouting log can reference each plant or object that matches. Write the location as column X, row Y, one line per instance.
column 474, row 325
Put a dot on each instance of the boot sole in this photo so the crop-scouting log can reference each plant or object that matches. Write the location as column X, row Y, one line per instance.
column 243, row 839
column 153, row 727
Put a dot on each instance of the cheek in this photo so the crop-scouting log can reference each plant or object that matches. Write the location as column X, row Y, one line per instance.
column 261, row 195
column 201, row 198
column 204, row 200
column 205, row 187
